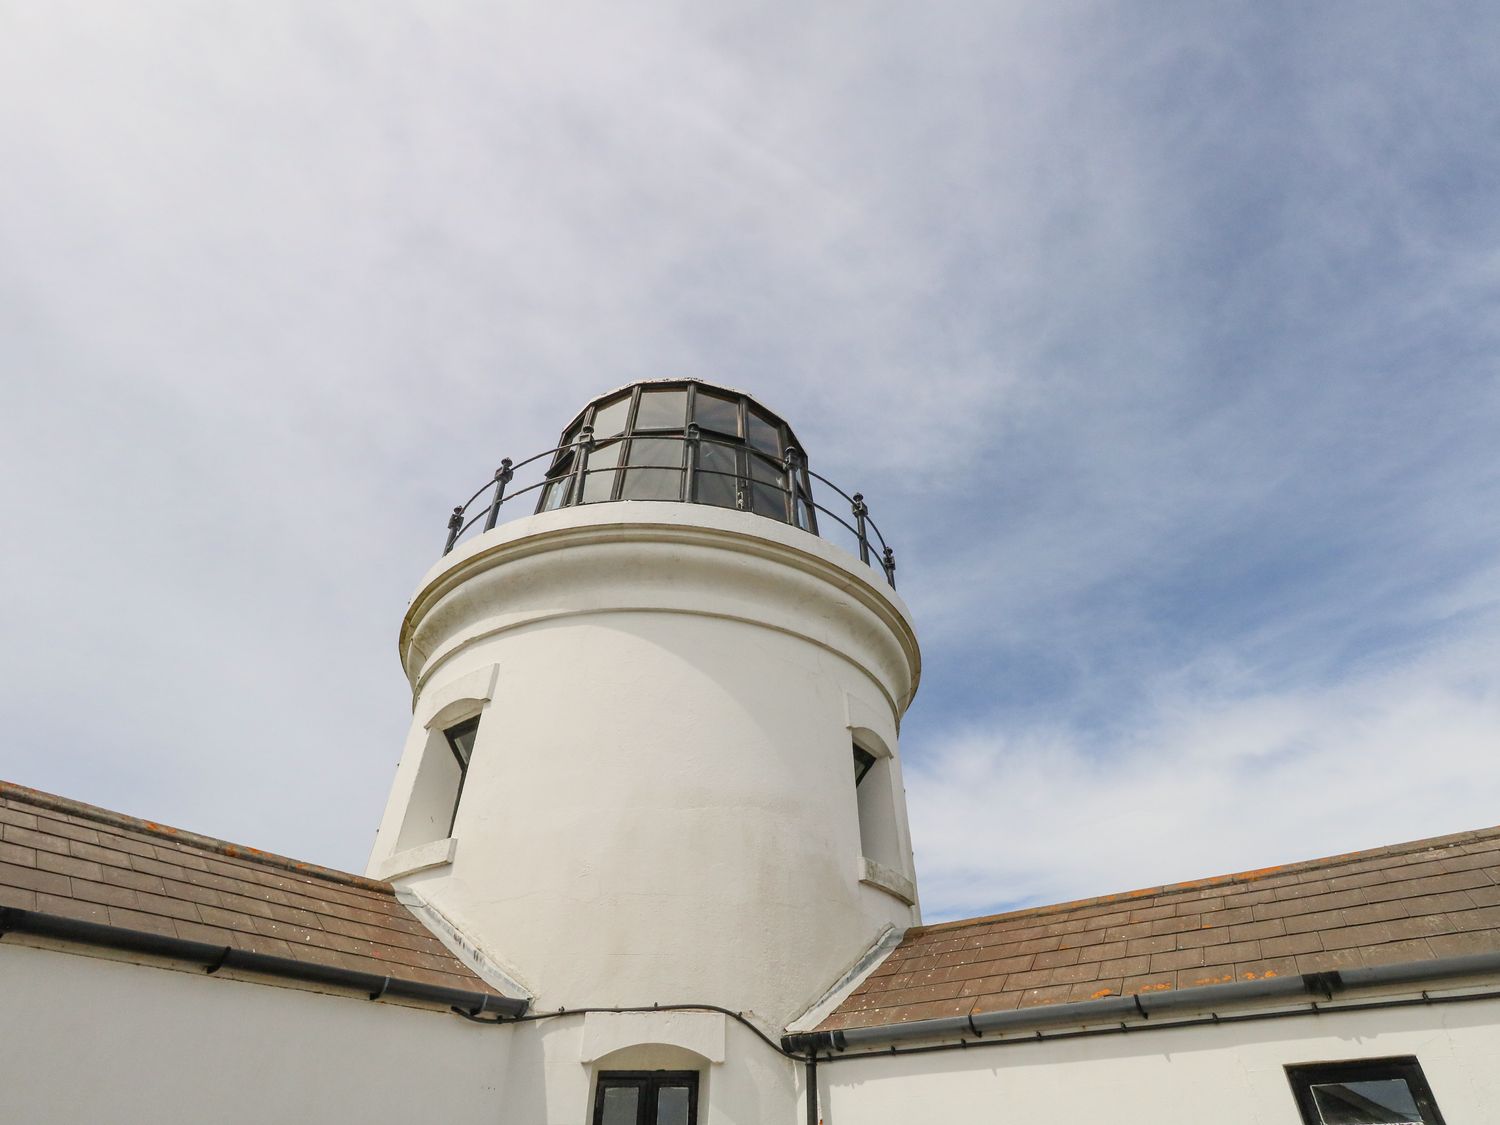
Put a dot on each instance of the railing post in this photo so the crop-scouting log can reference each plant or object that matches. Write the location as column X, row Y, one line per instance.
column 455, row 522
column 581, row 473
column 503, row 477
column 790, row 464
column 888, row 561
column 690, row 471
column 860, row 512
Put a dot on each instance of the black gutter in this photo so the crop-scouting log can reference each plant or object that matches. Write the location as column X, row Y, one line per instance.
column 216, row 957
column 1140, row 1007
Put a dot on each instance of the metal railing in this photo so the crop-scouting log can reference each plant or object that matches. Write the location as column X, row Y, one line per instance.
column 483, row 508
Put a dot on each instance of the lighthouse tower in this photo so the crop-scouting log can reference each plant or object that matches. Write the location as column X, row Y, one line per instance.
column 653, row 755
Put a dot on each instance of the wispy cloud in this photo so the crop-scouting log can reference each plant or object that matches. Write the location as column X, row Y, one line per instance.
column 1216, row 777
column 1160, row 341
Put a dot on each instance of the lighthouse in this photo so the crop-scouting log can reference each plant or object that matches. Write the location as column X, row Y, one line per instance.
column 658, row 678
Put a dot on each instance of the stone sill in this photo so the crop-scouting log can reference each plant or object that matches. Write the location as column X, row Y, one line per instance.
column 438, row 853
column 887, row 879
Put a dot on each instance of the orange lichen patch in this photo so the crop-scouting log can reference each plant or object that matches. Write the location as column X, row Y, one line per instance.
column 1101, row 994
column 1262, row 872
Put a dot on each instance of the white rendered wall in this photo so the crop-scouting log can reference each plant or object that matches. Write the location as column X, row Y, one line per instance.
column 1230, row 1074
column 660, row 806
column 85, row 1039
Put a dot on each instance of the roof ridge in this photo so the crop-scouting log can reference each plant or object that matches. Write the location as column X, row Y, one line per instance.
column 41, row 799
column 1249, row 876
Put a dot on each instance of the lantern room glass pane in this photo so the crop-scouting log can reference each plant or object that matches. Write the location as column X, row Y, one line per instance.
column 717, row 478
column 765, row 435
column 601, row 473
column 609, row 419
column 716, row 412
column 621, row 1105
column 662, row 478
column 664, row 409
column 558, row 490
column 768, row 497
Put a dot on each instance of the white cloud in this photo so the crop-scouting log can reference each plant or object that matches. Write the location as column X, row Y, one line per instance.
column 1210, row 782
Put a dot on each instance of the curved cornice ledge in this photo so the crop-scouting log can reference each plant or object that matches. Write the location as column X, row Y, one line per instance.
column 663, row 557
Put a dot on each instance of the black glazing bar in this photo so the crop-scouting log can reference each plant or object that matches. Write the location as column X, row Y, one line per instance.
column 503, row 477
column 860, row 512
column 585, row 447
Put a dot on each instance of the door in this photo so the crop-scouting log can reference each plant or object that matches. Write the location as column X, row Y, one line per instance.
column 646, row 1097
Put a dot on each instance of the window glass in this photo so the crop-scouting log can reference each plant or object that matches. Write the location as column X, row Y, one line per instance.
column 672, row 1104
column 461, row 739
column 1365, row 1103
column 1364, row 1092
column 601, row 474
column 555, row 494
column 765, row 435
column 659, row 481
column 863, row 760
column 662, row 409
column 620, row 1105
column 767, row 494
column 609, row 419
column 715, row 412
column 717, row 478
column 802, row 514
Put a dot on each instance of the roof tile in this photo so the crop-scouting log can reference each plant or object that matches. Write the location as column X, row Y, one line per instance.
column 1406, row 902
column 65, row 858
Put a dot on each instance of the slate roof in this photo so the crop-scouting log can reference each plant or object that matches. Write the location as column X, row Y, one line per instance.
column 1407, row 902
column 66, row 858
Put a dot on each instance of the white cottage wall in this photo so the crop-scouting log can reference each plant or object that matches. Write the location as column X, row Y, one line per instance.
column 1229, row 1074
column 661, row 807
column 93, row 1039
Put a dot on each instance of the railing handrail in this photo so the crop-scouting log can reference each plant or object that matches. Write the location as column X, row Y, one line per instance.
column 574, row 479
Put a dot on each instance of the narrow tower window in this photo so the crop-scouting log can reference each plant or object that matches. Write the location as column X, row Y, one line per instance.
column 461, row 742
column 877, row 809
column 432, row 808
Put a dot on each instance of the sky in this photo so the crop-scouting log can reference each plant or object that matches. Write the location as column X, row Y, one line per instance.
column 1161, row 338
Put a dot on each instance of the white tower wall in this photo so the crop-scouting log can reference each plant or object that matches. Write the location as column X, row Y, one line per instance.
column 660, row 806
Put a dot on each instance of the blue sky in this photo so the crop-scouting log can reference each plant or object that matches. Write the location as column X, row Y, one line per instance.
column 1161, row 337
